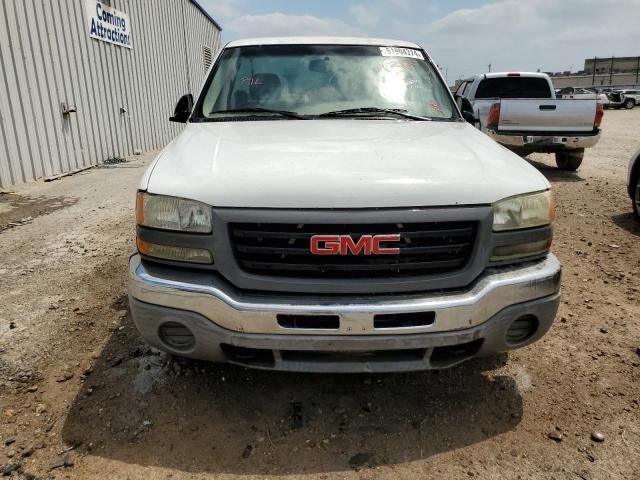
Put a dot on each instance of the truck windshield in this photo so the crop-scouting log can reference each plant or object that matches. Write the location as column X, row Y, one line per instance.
column 514, row 87
column 309, row 81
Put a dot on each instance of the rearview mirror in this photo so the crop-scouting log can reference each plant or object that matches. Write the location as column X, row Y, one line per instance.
column 319, row 66
column 183, row 109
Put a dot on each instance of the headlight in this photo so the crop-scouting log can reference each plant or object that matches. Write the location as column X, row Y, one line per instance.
column 524, row 211
column 172, row 213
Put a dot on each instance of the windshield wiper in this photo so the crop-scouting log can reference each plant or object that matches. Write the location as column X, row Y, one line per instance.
column 373, row 111
column 282, row 113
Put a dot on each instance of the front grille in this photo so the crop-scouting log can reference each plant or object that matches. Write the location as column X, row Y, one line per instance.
column 282, row 249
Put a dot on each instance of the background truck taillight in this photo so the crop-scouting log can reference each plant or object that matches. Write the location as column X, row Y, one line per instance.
column 599, row 114
column 494, row 116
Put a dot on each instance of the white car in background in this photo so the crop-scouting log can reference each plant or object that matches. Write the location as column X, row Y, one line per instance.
column 580, row 93
column 623, row 98
column 631, row 98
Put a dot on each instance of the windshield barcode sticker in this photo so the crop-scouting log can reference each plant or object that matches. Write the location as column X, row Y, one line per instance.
column 401, row 52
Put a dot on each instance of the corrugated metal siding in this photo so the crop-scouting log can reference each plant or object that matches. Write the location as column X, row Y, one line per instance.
column 44, row 64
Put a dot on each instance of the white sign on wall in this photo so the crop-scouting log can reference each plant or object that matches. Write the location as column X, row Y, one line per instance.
column 108, row 24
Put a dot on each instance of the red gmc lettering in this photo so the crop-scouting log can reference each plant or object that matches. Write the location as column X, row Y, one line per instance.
column 345, row 245
column 331, row 244
column 378, row 250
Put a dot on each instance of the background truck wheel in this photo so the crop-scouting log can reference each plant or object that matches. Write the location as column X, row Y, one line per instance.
column 629, row 103
column 570, row 161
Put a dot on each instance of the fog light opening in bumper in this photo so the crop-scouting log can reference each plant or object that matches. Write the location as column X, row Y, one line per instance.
column 176, row 336
column 521, row 329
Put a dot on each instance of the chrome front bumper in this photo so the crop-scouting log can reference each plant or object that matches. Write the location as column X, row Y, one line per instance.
column 559, row 142
column 254, row 313
column 242, row 328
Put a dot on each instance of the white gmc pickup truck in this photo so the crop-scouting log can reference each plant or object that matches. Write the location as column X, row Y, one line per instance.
column 328, row 209
column 520, row 111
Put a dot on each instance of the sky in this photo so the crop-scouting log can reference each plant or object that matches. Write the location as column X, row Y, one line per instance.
column 462, row 36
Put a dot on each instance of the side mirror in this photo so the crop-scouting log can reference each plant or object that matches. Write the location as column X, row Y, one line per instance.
column 183, row 109
column 467, row 110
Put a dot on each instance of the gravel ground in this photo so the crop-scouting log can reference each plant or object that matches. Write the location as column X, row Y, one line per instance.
column 82, row 397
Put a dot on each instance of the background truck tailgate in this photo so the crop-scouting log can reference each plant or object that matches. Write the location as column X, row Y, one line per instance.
column 547, row 115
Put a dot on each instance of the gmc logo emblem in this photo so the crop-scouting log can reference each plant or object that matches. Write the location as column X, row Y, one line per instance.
column 345, row 245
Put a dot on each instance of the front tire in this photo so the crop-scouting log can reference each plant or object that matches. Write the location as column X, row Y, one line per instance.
column 629, row 103
column 570, row 160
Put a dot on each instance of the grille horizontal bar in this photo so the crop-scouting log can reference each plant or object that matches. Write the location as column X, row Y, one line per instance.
column 353, row 266
column 404, row 250
column 281, row 249
column 239, row 232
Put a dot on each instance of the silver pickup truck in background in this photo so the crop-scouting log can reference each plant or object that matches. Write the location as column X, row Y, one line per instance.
column 520, row 111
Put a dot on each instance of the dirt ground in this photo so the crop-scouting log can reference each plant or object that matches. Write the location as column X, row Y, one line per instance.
column 82, row 397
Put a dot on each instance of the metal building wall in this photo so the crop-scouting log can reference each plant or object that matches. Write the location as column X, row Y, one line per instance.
column 123, row 96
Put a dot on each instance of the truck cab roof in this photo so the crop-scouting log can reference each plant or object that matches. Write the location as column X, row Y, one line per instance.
column 515, row 74
column 507, row 74
column 321, row 40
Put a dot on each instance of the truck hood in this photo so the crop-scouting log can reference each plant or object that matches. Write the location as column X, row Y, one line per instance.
column 339, row 163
